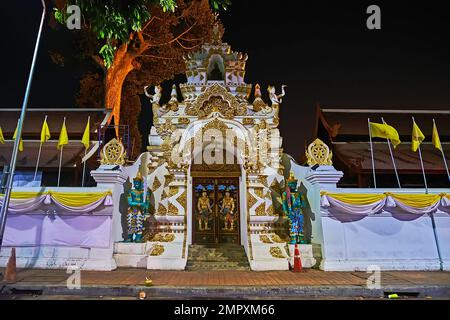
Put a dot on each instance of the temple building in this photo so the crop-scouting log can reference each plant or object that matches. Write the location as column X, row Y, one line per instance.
column 345, row 130
column 47, row 171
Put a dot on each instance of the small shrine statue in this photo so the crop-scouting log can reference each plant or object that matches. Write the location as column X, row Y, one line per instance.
column 154, row 98
column 276, row 98
column 204, row 211
column 293, row 205
column 138, row 209
column 227, row 210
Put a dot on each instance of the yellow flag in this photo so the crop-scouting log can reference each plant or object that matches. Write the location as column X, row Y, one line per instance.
column 63, row 138
column 20, row 141
column 417, row 137
column 86, row 138
column 45, row 132
column 383, row 130
column 2, row 138
column 436, row 139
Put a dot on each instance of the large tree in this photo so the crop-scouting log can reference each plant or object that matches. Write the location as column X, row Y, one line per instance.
column 141, row 41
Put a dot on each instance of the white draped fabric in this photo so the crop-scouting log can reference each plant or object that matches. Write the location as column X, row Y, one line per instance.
column 20, row 206
column 107, row 201
column 368, row 209
column 28, row 205
column 389, row 201
column 412, row 209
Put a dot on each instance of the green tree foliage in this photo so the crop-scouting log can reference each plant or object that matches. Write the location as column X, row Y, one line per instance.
column 112, row 21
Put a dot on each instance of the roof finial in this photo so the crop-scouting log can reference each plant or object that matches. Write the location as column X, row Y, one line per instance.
column 257, row 91
column 217, row 33
column 174, row 94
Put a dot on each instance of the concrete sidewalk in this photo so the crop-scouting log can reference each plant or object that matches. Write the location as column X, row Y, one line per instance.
column 230, row 284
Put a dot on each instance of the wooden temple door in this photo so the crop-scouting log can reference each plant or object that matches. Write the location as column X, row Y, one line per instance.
column 216, row 210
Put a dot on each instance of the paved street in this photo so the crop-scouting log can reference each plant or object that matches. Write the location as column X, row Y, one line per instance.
column 126, row 283
column 311, row 277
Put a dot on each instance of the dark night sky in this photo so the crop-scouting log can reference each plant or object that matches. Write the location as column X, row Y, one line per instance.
column 321, row 49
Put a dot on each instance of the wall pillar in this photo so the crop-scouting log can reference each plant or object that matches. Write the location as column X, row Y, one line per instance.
column 325, row 177
column 113, row 178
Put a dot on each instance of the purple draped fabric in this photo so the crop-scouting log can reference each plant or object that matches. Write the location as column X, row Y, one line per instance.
column 89, row 231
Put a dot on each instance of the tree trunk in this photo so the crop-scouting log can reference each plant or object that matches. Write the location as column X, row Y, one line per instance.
column 114, row 80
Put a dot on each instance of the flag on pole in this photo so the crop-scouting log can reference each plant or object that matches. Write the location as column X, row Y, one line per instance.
column 383, row 130
column 63, row 138
column 45, row 136
column 86, row 137
column 2, row 138
column 20, row 141
column 45, row 132
column 435, row 138
column 417, row 137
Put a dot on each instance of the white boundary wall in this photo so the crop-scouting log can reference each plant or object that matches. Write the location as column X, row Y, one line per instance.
column 44, row 224
column 392, row 239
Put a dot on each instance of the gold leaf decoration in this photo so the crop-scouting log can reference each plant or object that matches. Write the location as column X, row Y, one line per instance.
column 173, row 191
column 168, row 179
column 263, row 180
column 162, row 211
column 164, row 194
column 113, row 153
column 319, row 153
column 157, row 250
column 168, row 237
column 277, row 253
column 261, row 209
column 259, row 192
column 216, row 98
column 182, row 200
column 251, row 200
column 276, row 238
column 265, row 239
column 172, row 210
column 183, row 121
column 270, row 210
column 248, row 121
column 156, row 184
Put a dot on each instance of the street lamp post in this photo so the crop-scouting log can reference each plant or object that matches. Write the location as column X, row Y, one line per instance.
column 12, row 166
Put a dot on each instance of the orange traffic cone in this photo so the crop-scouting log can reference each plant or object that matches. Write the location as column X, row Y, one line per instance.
column 11, row 272
column 297, row 261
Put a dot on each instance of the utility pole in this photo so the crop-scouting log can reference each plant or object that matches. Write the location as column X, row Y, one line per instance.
column 12, row 166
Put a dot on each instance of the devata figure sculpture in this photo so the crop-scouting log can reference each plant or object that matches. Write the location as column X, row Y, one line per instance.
column 138, row 209
column 154, row 98
column 204, row 211
column 293, row 205
column 227, row 210
column 276, row 98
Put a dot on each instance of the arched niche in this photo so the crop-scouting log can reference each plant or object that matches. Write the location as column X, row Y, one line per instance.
column 216, row 68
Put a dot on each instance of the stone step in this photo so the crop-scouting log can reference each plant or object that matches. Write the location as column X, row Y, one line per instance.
column 217, row 257
column 216, row 253
column 217, row 266
column 215, row 249
column 218, row 263
column 209, row 268
column 217, row 260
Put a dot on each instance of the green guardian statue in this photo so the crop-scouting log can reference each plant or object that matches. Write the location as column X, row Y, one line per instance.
column 138, row 209
column 293, row 205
